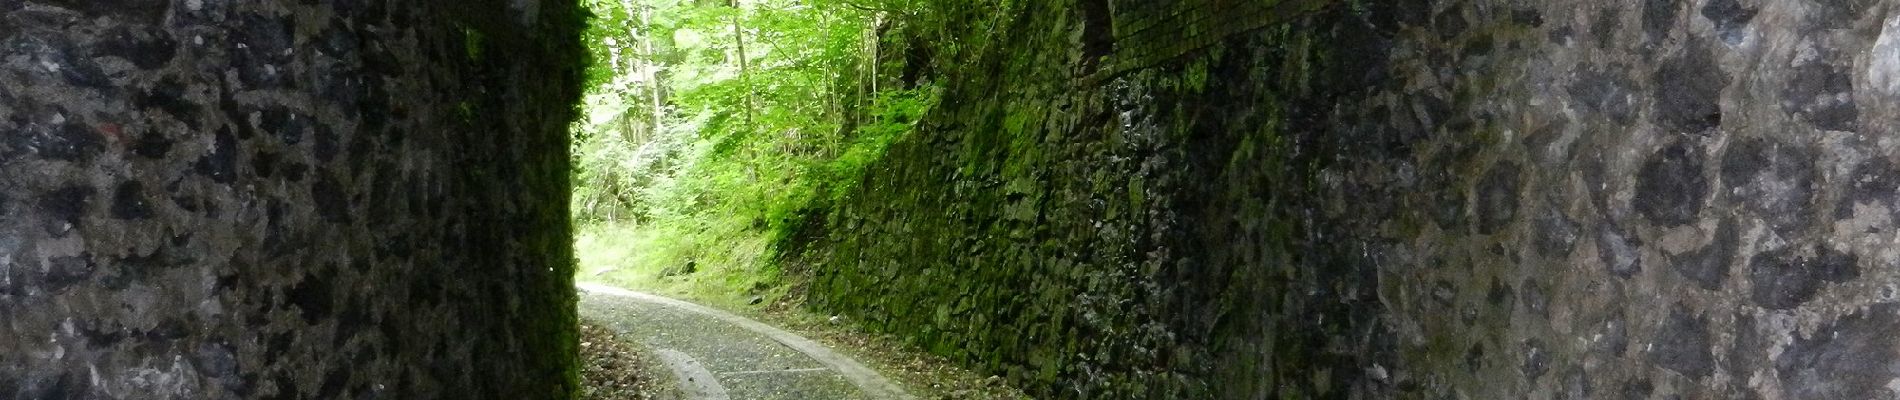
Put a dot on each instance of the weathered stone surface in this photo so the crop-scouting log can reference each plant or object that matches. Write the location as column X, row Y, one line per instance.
column 1682, row 345
column 1659, row 19
column 1822, row 94
column 1605, row 93
column 1708, row 268
column 1783, row 279
column 1530, row 199
column 1556, row 234
column 1689, row 90
column 131, row 202
column 1730, row 18
column 1620, row 253
column 186, row 185
column 1671, row 187
column 1852, row 358
column 1497, row 197
column 1773, row 180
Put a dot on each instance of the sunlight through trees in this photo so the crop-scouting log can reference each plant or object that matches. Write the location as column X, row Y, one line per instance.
column 710, row 125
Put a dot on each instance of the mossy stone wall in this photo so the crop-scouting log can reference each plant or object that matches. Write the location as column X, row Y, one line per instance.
column 1406, row 199
column 1132, row 230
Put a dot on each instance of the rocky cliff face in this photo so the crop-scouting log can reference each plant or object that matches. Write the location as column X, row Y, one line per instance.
column 285, row 199
column 1413, row 199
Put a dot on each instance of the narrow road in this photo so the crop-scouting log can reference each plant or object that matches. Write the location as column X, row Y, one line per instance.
column 720, row 356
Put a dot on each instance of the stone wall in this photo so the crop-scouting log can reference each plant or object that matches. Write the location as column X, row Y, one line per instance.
column 1410, row 199
column 1148, row 33
column 1634, row 199
column 209, row 199
column 1095, row 234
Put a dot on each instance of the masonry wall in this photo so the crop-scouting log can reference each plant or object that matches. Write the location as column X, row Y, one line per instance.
column 209, row 199
column 1410, row 199
column 1635, row 199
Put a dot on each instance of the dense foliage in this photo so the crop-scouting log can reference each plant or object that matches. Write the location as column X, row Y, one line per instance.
column 712, row 126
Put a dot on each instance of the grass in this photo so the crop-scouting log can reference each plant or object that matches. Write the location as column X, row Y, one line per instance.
column 729, row 269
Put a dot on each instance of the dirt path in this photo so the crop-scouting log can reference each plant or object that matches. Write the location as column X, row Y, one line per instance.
column 719, row 356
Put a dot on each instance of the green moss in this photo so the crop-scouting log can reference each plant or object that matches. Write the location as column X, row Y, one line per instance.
column 1196, row 76
column 472, row 43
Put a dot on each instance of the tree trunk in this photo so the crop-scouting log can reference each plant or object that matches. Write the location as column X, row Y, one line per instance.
column 745, row 67
column 745, row 82
column 651, row 68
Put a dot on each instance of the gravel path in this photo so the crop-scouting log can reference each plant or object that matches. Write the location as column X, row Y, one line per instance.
column 720, row 356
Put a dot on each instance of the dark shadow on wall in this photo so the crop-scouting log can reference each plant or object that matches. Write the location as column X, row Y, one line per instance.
column 1098, row 34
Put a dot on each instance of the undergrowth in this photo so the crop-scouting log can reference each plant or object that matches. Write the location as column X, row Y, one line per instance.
column 713, row 130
